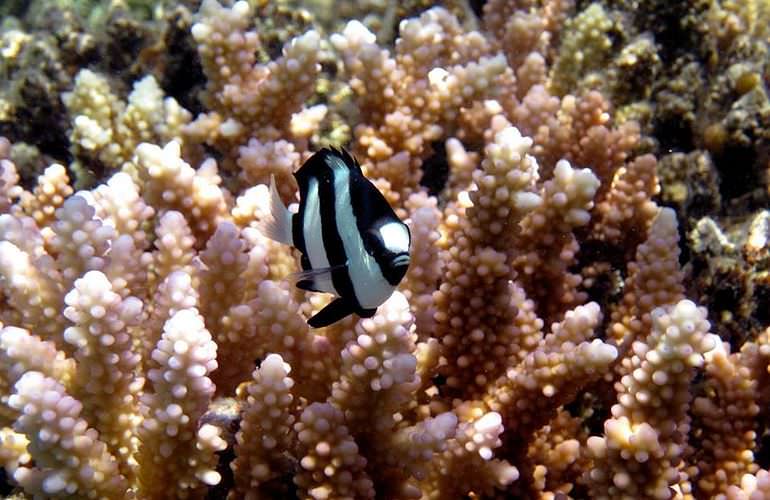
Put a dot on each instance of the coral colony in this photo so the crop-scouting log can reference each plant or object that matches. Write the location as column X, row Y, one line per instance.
column 546, row 342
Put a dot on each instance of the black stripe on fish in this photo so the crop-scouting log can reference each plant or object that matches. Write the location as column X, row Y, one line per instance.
column 307, row 227
column 299, row 237
column 314, row 241
column 297, row 223
column 369, row 287
column 315, row 167
column 372, row 212
column 335, row 249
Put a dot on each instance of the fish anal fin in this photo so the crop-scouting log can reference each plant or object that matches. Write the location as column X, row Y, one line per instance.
column 308, row 285
column 366, row 313
column 339, row 308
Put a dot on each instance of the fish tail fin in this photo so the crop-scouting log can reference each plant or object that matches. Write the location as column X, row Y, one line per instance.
column 333, row 312
column 277, row 225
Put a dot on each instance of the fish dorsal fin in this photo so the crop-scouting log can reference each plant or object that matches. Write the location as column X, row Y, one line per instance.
column 315, row 166
column 349, row 160
column 333, row 312
column 317, row 280
column 323, row 159
column 276, row 225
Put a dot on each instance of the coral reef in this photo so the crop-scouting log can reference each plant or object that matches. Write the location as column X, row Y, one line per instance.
column 585, row 314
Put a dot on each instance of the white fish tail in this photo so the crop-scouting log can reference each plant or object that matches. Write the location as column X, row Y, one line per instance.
column 277, row 226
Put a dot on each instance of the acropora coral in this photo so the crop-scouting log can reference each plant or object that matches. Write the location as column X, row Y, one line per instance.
column 556, row 336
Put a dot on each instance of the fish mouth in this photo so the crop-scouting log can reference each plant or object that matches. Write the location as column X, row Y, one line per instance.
column 401, row 261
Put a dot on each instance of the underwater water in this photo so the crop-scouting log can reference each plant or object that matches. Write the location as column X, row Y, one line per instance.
column 586, row 310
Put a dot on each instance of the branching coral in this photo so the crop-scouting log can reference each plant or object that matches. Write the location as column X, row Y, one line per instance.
column 248, row 99
column 544, row 344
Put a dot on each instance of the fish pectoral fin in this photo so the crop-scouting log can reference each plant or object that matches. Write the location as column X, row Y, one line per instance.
column 316, row 280
column 276, row 225
column 339, row 308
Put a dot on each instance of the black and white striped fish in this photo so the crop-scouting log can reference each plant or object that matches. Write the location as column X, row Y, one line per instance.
column 352, row 243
